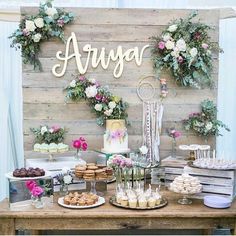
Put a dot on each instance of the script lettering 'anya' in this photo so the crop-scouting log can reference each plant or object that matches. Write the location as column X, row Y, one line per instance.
column 97, row 58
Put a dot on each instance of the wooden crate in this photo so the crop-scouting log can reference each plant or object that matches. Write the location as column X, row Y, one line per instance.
column 215, row 182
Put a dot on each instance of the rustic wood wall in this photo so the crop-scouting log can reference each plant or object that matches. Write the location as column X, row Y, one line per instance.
column 43, row 92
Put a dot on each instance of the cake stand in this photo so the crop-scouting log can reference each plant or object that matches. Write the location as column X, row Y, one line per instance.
column 51, row 155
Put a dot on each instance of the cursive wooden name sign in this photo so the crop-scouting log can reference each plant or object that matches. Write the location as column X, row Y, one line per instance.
column 119, row 56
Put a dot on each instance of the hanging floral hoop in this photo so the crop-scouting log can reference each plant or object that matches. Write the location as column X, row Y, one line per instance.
column 101, row 101
column 35, row 29
column 185, row 49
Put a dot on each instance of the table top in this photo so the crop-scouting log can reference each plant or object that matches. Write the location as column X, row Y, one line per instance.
column 173, row 209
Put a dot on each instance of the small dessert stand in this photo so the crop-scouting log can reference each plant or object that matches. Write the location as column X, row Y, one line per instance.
column 163, row 203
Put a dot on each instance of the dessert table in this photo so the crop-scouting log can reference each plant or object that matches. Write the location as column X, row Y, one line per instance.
column 107, row 217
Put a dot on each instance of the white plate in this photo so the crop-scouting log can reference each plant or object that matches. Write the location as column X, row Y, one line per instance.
column 101, row 201
column 183, row 147
column 10, row 176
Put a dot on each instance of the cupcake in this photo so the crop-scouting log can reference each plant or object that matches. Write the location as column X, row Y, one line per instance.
column 142, row 202
column 124, row 201
column 133, row 202
column 52, row 148
column 37, row 147
column 44, row 147
column 151, row 202
column 119, row 196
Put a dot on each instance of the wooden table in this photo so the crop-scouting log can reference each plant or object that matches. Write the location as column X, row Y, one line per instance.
column 107, row 217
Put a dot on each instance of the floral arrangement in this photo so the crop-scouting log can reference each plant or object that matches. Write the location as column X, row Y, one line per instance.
column 35, row 190
column 185, row 49
column 205, row 123
column 102, row 102
column 33, row 30
column 80, row 144
column 119, row 161
column 119, row 134
column 173, row 133
column 65, row 177
column 45, row 134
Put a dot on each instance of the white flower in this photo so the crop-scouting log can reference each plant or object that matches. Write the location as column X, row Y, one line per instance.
column 67, row 179
column 175, row 52
column 208, row 52
column 172, row 28
column 209, row 126
column 98, row 107
column 39, row 22
column 29, row 25
column 193, row 52
column 51, row 11
column 143, row 150
column 108, row 112
column 51, row 131
column 65, row 170
column 92, row 81
column 91, row 91
column 44, row 130
column 37, row 37
column 170, row 45
column 166, row 37
column 181, row 45
column 112, row 105
column 73, row 83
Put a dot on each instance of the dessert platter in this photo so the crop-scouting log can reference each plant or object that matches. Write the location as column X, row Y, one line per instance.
column 51, row 149
column 138, row 199
column 27, row 174
column 81, row 200
column 185, row 185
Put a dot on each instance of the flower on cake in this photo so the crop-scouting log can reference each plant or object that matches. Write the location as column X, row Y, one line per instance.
column 91, row 91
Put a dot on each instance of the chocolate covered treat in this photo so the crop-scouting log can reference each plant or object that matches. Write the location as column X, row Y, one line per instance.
column 30, row 172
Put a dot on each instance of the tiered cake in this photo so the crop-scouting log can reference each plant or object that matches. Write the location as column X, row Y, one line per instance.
column 115, row 137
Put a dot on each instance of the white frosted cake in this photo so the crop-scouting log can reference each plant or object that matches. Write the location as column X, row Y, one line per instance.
column 115, row 137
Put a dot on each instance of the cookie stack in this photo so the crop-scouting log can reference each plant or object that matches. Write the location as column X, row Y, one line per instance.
column 93, row 172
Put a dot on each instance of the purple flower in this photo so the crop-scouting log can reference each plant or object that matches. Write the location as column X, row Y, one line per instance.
column 25, row 32
column 123, row 163
column 98, row 97
column 60, row 22
column 104, row 99
column 81, row 78
column 97, row 84
column 161, row 45
column 180, row 59
column 129, row 163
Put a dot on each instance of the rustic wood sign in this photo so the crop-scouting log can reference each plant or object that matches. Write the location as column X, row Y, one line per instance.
column 114, row 33
column 119, row 56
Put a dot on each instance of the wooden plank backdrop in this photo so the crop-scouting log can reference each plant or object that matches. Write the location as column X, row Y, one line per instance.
column 43, row 94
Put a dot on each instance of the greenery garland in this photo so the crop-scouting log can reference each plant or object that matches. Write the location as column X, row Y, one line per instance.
column 35, row 29
column 205, row 123
column 101, row 101
column 185, row 49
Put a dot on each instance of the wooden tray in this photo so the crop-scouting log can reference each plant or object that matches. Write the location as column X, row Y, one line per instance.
column 163, row 203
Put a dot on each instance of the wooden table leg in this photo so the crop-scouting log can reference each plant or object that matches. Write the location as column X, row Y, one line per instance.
column 7, row 227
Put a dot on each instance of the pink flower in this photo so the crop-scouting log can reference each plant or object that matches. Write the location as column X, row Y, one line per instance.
column 161, row 45
column 37, row 191
column 123, row 163
column 25, row 32
column 60, row 22
column 177, row 134
column 84, row 146
column 77, row 144
column 119, row 133
column 197, row 35
column 30, row 184
column 82, row 139
column 204, row 45
column 180, row 59
column 56, row 128
column 81, row 78
column 98, row 97
column 129, row 163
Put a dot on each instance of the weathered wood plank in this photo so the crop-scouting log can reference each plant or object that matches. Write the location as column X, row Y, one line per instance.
column 184, row 96
column 131, row 16
column 128, row 79
column 173, row 112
